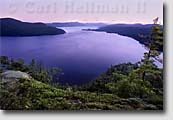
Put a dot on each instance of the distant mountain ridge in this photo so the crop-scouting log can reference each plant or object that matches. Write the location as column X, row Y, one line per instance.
column 13, row 27
column 75, row 24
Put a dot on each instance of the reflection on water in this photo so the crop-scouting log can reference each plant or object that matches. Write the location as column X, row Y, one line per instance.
column 82, row 55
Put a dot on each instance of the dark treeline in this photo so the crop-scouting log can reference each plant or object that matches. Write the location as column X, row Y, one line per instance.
column 13, row 27
column 136, row 31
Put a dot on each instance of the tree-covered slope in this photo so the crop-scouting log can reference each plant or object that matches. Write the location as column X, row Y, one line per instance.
column 136, row 31
column 29, row 94
column 120, row 88
column 13, row 27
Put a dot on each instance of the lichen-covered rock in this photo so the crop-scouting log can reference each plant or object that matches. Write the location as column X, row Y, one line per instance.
column 11, row 75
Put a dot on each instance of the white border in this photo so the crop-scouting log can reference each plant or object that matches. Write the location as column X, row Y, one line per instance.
column 167, row 115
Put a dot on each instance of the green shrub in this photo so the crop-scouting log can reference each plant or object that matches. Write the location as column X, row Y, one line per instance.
column 135, row 88
column 155, row 99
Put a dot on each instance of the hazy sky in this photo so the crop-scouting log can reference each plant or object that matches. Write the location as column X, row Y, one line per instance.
column 110, row 11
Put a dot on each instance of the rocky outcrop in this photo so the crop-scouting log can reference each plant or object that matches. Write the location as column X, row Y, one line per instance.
column 11, row 75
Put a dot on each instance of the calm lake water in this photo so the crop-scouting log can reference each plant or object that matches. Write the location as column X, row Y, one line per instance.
column 82, row 55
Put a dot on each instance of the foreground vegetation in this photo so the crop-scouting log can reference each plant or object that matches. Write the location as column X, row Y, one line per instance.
column 117, row 89
column 123, row 87
column 33, row 95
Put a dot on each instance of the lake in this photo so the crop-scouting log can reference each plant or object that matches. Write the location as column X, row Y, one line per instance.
column 82, row 55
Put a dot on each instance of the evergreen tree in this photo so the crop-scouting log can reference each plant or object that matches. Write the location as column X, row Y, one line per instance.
column 153, row 46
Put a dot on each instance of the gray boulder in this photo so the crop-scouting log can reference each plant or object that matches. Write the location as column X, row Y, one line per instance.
column 10, row 75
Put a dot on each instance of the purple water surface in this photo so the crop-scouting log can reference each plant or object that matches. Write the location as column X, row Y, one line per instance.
column 82, row 55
